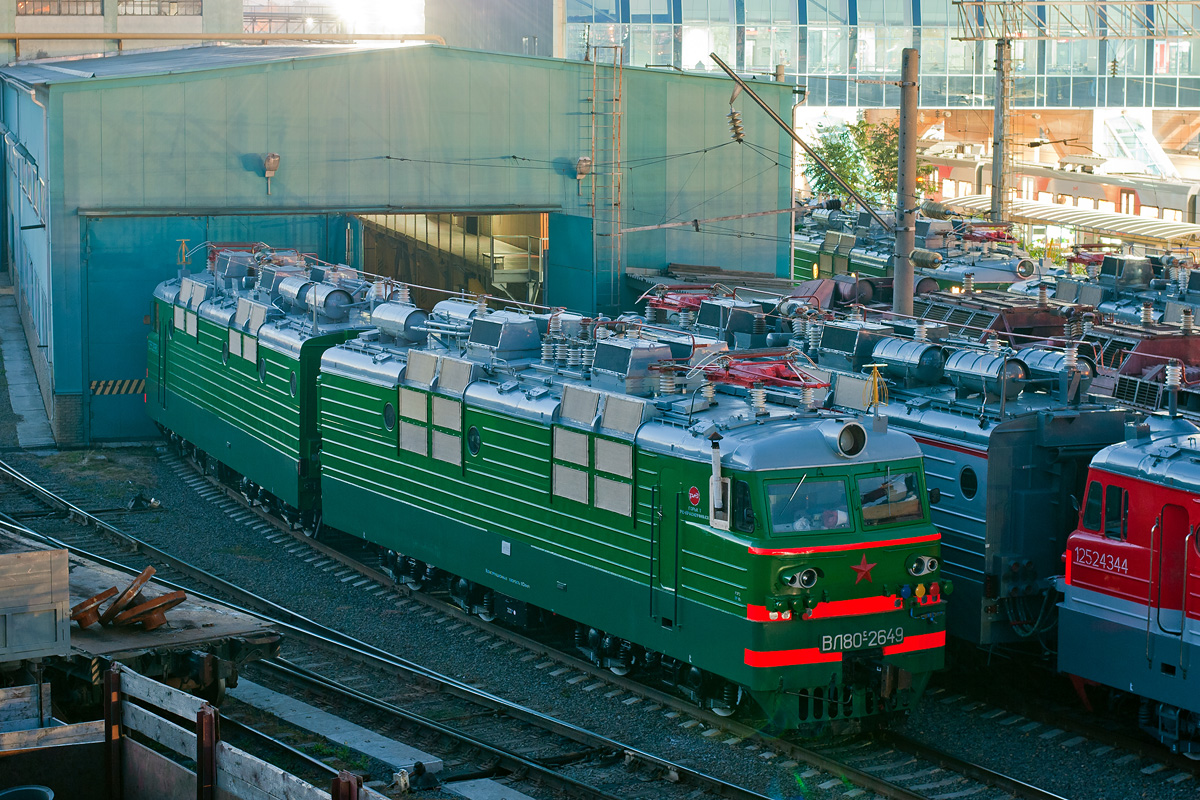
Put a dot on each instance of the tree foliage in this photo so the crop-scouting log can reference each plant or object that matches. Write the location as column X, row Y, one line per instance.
column 879, row 145
column 865, row 155
column 837, row 148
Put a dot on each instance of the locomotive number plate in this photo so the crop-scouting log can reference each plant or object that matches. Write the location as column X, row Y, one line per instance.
column 858, row 640
column 1105, row 561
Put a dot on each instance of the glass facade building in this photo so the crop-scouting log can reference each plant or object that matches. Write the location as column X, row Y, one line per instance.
column 834, row 48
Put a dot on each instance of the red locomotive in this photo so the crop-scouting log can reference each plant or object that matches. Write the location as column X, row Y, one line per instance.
column 1130, row 618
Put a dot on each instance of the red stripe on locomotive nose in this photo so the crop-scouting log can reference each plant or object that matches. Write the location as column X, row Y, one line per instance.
column 922, row 641
column 813, row 655
column 833, row 548
column 877, row 604
column 790, row 658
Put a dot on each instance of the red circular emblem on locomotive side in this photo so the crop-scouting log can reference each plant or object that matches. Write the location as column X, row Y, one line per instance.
column 694, row 496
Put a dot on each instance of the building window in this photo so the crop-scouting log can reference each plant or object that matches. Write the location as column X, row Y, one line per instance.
column 160, row 8
column 34, row 8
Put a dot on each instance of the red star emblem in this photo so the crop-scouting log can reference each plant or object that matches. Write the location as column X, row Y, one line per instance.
column 863, row 570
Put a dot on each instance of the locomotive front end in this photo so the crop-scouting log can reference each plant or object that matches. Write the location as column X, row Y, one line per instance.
column 845, row 602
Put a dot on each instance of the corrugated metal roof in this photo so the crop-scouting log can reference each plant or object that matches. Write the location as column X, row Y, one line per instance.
column 1140, row 230
column 171, row 61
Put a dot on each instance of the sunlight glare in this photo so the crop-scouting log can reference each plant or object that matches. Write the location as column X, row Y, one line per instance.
column 381, row 16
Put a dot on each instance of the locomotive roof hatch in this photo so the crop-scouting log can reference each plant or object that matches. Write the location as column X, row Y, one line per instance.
column 623, row 365
column 504, row 335
column 848, row 345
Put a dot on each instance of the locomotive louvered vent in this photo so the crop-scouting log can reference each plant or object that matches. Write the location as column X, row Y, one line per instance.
column 1137, row 392
column 1091, row 295
column 938, row 312
column 622, row 414
column 983, row 320
column 920, row 308
column 422, row 367
column 1067, row 291
column 243, row 312
column 1114, row 352
column 958, row 319
column 456, row 374
column 579, row 405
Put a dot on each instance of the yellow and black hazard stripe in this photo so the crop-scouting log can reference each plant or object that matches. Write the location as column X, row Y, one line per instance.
column 136, row 386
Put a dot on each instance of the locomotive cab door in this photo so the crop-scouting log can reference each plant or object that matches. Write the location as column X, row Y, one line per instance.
column 1167, row 561
column 664, row 556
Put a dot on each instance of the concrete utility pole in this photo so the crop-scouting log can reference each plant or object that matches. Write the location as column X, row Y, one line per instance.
column 1000, row 154
column 906, row 185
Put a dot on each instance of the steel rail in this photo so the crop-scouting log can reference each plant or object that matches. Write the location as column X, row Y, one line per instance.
column 295, row 624
column 970, row 769
column 228, row 723
column 511, row 761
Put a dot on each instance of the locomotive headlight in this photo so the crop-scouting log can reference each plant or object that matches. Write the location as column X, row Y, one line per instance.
column 805, row 579
column 921, row 565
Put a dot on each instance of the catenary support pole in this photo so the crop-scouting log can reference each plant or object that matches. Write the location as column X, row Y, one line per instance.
column 906, row 185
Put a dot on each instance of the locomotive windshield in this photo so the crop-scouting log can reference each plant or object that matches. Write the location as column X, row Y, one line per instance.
column 808, row 505
column 890, row 497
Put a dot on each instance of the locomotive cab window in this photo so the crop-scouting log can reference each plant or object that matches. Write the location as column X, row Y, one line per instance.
column 1092, row 507
column 808, row 505
column 890, row 497
column 1116, row 512
column 743, row 509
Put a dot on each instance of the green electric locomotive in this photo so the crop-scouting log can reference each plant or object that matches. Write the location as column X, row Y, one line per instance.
column 727, row 546
column 540, row 468
column 232, row 366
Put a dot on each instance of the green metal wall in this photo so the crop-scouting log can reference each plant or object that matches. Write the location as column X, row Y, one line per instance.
column 412, row 129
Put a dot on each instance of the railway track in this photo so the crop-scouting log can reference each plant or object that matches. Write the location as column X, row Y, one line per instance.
column 887, row 765
column 469, row 704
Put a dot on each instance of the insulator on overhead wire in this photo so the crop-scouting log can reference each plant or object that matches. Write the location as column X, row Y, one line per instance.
column 736, row 131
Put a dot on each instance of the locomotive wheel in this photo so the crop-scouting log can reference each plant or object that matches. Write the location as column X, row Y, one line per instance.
column 618, row 670
column 487, row 616
column 723, row 711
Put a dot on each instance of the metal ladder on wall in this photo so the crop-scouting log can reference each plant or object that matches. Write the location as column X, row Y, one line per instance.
column 607, row 123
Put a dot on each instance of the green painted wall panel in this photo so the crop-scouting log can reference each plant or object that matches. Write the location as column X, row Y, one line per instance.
column 123, row 126
column 208, row 160
column 166, row 106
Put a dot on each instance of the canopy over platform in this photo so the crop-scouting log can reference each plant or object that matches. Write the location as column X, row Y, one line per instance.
column 1127, row 227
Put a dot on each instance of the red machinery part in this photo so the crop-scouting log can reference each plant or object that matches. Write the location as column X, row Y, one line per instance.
column 131, row 591
column 151, row 613
column 767, row 369
column 88, row 612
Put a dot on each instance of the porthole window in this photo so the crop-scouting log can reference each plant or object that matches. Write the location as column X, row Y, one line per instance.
column 262, row 370
column 225, row 353
column 968, row 482
column 389, row 416
column 473, row 440
column 292, row 385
